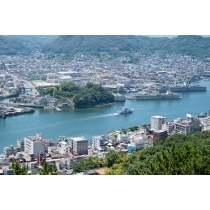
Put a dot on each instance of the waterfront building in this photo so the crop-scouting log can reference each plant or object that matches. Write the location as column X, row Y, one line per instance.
column 156, row 122
column 98, row 141
column 122, row 137
column 46, row 100
column 188, row 125
column 7, row 151
column 34, row 145
column 79, row 145
column 20, row 144
column 62, row 147
column 10, row 150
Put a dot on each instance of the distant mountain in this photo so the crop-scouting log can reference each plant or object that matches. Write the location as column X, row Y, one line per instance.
column 96, row 44
column 193, row 45
column 35, row 40
column 23, row 44
column 113, row 45
column 9, row 46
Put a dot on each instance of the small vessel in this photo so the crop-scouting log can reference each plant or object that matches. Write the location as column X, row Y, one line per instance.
column 125, row 110
column 56, row 108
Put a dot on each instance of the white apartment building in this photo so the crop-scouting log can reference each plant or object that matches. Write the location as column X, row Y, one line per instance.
column 98, row 141
column 122, row 137
column 34, row 145
column 62, row 147
column 185, row 126
column 156, row 122
column 79, row 145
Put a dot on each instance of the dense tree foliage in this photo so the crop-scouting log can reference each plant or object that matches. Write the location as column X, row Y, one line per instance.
column 89, row 163
column 177, row 155
column 131, row 46
column 48, row 169
column 18, row 169
column 92, row 95
column 83, row 97
column 9, row 46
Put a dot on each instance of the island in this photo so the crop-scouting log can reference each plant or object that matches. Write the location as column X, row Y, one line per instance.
column 87, row 96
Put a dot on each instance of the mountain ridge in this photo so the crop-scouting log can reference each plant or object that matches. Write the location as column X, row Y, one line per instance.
column 68, row 46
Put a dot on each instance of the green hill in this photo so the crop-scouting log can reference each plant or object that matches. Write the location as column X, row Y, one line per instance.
column 23, row 44
column 34, row 40
column 98, row 44
column 177, row 155
column 192, row 45
column 9, row 46
column 107, row 46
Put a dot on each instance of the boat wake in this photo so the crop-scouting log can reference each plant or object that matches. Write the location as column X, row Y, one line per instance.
column 101, row 116
column 34, row 128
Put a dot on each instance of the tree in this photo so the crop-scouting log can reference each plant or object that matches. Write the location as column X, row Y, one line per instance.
column 48, row 170
column 18, row 169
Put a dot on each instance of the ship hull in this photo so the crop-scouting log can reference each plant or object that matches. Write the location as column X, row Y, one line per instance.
column 182, row 89
column 154, row 97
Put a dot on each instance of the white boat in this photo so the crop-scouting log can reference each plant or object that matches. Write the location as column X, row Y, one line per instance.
column 125, row 110
column 56, row 108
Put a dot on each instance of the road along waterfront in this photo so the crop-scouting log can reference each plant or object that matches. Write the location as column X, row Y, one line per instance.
column 99, row 120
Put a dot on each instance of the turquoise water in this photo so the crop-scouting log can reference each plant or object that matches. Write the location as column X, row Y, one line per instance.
column 100, row 120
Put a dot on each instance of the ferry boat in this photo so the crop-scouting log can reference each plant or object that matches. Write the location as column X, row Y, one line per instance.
column 125, row 110
column 154, row 96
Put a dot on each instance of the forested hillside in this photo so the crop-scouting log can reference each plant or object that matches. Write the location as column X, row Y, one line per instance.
column 34, row 40
column 9, row 46
column 68, row 46
column 177, row 155
column 195, row 46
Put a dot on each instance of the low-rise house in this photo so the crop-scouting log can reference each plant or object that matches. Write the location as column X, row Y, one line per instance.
column 159, row 134
column 205, row 123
